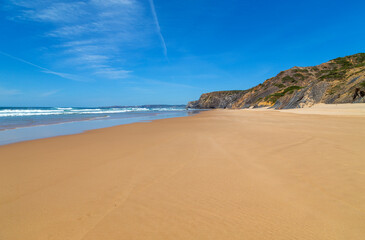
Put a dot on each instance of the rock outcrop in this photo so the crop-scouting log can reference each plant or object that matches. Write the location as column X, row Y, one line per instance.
column 221, row 99
column 341, row 80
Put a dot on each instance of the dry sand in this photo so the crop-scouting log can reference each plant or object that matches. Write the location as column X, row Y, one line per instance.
column 346, row 109
column 217, row 175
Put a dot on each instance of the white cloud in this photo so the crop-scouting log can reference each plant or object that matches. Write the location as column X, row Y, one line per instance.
column 26, row 3
column 158, row 28
column 9, row 92
column 56, row 12
column 112, row 73
column 112, row 2
column 93, row 35
column 169, row 84
column 45, row 70
column 70, row 31
column 49, row 93
column 67, row 76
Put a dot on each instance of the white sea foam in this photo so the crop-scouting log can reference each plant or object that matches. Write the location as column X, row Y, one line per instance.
column 69, row 111
column 85, row 110
column 167, row 109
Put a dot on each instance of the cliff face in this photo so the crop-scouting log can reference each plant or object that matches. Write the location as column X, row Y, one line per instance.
column 222, row 99
column 341, row 80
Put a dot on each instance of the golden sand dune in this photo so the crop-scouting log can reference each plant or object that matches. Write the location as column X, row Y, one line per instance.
column 217, row 175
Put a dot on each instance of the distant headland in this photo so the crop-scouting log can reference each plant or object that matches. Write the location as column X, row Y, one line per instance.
column 341, row 80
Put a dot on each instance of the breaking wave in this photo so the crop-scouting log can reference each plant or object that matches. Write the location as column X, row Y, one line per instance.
column 19, row 112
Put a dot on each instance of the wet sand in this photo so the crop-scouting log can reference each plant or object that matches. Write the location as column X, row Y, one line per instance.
column 222, row 174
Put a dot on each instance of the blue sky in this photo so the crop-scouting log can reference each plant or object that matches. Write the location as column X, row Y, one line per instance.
column 132, row 52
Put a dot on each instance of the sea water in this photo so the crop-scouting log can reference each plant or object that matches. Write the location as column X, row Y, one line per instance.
column 22, row 124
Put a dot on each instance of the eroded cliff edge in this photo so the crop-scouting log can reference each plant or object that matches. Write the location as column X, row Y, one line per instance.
column 341, row 80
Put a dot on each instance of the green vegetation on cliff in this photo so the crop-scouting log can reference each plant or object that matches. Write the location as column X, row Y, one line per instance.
column 275, row 96
column 288, row 79
column 341, row 80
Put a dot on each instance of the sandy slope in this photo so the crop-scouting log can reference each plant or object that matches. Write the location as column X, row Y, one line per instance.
column 218, row 175
column 345, row 109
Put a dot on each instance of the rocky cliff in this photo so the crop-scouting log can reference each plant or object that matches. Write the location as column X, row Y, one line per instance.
column 341, row 80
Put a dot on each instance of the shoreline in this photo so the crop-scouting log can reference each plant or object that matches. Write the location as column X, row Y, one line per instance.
column 56, row 123
column 349, row 109
column 33, row 132
column 345, row 109
column 215, row 175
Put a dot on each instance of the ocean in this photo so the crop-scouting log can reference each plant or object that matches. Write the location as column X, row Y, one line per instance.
column 28, row 123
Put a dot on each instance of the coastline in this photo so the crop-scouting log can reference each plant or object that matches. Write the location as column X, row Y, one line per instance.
column 28, row 133
column 216, row 175
column 56, row 123
column 55, row 129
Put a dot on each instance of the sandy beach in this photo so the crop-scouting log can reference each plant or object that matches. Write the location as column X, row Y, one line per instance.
column 221, row 174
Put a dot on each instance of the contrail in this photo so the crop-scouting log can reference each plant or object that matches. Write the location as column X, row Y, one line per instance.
column 158, row 28
column 45, row 70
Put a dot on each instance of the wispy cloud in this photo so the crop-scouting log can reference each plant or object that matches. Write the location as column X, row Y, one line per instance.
column 46, row 70
column 49, row 93
column 56, row 12
column 95, row 36
column 158, row 28
column 169, row 84
column 9, row 92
